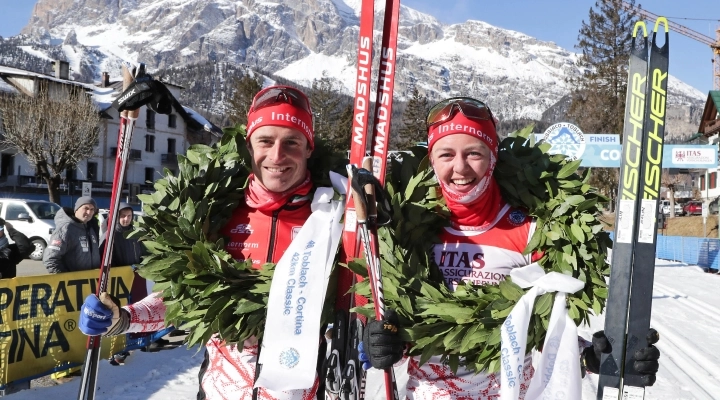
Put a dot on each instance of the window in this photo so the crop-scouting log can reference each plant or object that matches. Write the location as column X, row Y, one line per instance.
column 69, row 174
column 14, row 211
column 6, row 164
column 171, row 146
column 150, row 143
column 172, row 121
column 712, row 180
column 92, row 174
column 44, row 210
column 150, row 119
column 149, row 174
column 702, row 182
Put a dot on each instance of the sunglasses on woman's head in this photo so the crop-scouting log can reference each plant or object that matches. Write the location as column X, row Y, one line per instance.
column 446, row 109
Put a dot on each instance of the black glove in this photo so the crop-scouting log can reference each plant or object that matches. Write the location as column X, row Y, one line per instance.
column 646, row 359
column 381, row 341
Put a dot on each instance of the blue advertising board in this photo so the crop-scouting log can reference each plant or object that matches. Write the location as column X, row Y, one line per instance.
column 605, row 150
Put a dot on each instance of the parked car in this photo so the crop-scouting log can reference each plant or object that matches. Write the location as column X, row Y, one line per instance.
column 693, row 208
column 665, row 207
column 34, row 218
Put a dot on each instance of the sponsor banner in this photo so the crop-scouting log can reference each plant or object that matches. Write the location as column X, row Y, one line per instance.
column 693, row 155
column 591, row 138
column 567, row 139
column 39, row 320
column 674, row 155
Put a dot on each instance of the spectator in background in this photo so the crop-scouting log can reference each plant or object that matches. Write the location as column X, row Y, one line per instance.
column 129, row 251
column 12, row 254
column 74, row 245
column 126, row 251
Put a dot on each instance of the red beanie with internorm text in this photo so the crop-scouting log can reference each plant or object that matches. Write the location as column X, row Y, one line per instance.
column 282, row 114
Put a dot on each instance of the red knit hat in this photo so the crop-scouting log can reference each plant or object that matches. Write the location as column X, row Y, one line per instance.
column 282, row 106
column 460, row 124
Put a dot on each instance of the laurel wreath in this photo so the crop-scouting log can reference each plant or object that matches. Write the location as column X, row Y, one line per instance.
column 464, row 326
column 203, row 287
column 213, row 294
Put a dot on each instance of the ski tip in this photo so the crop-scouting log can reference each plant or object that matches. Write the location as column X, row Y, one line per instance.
column 640, row 24
column 661, row 20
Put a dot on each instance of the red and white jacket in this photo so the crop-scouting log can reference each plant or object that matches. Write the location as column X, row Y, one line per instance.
column 483, row 257
column 228, row 371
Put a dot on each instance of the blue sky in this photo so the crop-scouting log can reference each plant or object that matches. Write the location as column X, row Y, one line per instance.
column 550, row 20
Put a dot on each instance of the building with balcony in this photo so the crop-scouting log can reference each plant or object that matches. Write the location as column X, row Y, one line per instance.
column 157, row 139
column 708, row 181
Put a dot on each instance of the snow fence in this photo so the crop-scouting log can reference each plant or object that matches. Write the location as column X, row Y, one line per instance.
column 704, row 252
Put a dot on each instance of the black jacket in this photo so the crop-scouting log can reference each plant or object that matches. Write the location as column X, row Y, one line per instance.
column 126, row 251
column 11, row 256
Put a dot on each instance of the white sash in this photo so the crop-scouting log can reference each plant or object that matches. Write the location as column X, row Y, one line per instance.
column 557, row 375
column 290, row 345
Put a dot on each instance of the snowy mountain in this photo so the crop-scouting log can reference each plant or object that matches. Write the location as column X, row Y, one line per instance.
column 519, row 76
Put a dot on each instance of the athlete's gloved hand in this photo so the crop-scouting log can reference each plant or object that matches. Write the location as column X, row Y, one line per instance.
column 381, row 346
column 103, row 316
column 646, row 359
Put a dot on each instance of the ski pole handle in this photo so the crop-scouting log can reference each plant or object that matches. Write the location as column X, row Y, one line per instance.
column 361, row 210
column 128, row 76
column 370, row 192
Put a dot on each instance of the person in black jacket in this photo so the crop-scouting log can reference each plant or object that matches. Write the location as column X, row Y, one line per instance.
column 128, row 251
column 12, row 254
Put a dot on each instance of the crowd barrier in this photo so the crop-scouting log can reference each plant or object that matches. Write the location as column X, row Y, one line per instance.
column 39, row 317
column 703, row 252
column 690, row 250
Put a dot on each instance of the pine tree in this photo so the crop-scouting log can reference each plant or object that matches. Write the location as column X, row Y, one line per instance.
column 343, row 130
column 414, row 128
column 245, row 89
column 328, row 105
column 598, row 101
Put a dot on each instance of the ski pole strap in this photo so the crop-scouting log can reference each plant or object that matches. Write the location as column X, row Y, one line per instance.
column 360, row 178
column 370, row 193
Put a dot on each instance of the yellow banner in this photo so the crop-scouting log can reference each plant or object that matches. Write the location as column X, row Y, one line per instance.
column 39, row 320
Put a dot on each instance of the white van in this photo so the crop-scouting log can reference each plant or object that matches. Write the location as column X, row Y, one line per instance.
column 665, row 207
column 34, row 218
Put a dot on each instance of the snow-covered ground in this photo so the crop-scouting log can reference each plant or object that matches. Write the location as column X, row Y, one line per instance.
column 686, row 312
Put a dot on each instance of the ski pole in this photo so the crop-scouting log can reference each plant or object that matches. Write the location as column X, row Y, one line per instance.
column 88, row 382
column 363, row 191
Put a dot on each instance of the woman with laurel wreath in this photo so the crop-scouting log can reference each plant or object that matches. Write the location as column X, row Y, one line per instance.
column 280, row 139
column 484, row 242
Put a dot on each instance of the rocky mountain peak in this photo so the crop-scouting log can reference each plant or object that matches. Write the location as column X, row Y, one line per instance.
column 301, row 40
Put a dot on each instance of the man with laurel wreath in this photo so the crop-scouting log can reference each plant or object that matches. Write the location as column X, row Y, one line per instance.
column 277, row 200
column 485, row 241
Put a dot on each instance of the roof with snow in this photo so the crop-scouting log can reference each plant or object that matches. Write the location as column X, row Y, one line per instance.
column 6, row 87
column 710, row 122
column 103, row 96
